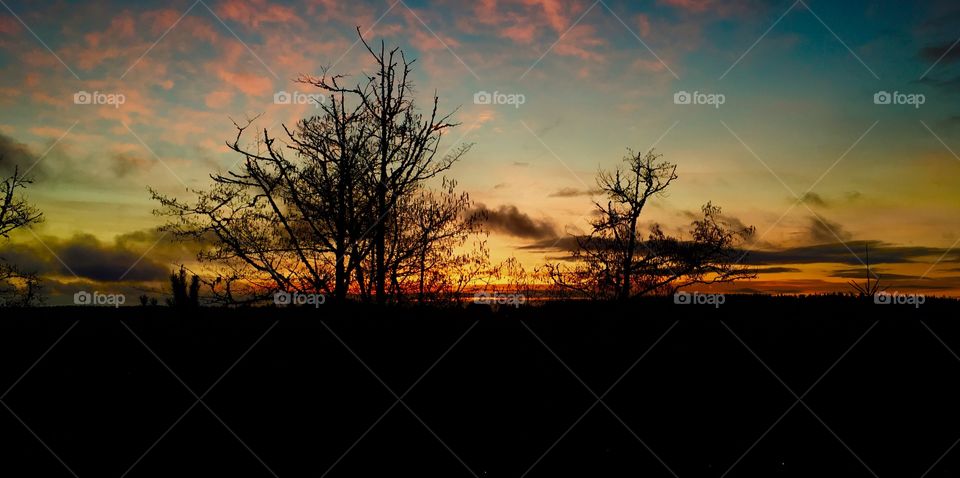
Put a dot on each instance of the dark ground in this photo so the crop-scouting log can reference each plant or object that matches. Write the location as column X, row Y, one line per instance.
column 483, row 393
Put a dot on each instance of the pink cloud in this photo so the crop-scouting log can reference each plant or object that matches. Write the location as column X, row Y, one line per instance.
column 9, row 26
column 39, row 58
column 249, row 83
column 121, row 27
column 527, row 22
column 520, row 33
column 253, row 13
column 42, row 97
column 159, row 21
column 425, row 41
column 479, row 119
column 486, row 11
column 653, row 65
column 643, row 25
column 218, row 99
column 127, row 37
column 724, row 8
column 554, row 10
column 580, row 42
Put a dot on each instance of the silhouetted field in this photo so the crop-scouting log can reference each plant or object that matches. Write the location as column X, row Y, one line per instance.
column 686, row 390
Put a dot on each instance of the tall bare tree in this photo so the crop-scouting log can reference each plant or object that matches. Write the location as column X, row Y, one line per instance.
column 628, row 191
column 343, row 205
column 17, row 287
column 405, row 140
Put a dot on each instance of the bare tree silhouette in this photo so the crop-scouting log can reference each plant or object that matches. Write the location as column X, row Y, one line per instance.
column 17, row 287
column 350, row 211
column 15, row 211
column 424, row 241
column 615, row 261
column 868, row 289
column 404, row 140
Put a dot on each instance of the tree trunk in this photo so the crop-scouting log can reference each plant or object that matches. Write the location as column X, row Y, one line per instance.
column 628, row 259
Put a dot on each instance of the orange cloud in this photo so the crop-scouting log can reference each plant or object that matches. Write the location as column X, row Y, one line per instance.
column 47, row 131
column 43, row 97
column 32, row 79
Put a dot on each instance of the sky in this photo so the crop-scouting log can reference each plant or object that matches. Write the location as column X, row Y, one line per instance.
column 826, row 125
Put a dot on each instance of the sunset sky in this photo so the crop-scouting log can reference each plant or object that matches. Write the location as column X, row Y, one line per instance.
column 799, row 119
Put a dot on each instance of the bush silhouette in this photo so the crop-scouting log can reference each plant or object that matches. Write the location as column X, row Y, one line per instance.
column 184, row 295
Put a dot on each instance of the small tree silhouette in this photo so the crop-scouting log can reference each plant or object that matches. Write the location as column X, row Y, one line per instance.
column 616, row 259
column 867, row 289
column 184, row 295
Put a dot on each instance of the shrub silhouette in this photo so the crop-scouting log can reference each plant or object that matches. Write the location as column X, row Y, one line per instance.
column 184, row 295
